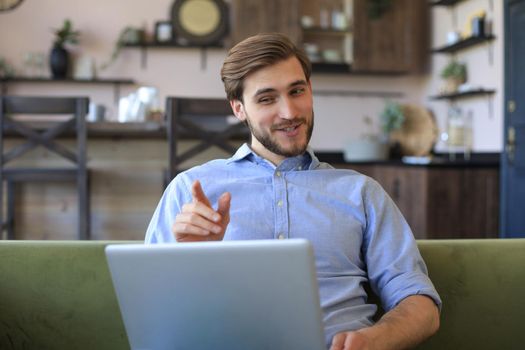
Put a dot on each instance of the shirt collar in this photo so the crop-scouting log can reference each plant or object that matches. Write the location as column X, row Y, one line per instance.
column 308, row 160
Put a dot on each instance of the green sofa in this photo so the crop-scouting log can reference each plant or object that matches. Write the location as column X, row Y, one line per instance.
column 59, row 295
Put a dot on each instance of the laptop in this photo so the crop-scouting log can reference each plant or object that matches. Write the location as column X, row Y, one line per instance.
column 259, row 294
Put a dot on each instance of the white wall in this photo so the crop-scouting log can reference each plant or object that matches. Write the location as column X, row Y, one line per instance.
column 178, row 71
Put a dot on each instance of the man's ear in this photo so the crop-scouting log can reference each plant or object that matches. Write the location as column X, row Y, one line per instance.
column 238, row 109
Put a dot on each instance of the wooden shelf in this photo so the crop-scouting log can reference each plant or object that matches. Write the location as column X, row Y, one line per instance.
column 67, row 80
column 463, row 44
column 345, row 68
column 115, row 82
column 170, row 45
column 325, row 31
column 445, row 2
column 463, row 94
column 324, row 67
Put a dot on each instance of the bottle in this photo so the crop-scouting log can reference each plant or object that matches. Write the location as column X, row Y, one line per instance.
column 455, row 131
column 324, row 17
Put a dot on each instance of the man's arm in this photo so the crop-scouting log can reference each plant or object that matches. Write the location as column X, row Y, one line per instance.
column 408, row 324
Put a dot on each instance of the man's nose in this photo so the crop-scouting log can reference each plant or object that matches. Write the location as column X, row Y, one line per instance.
column 288, row 108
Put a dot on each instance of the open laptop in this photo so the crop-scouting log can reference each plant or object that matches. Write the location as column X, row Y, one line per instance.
column 259, row 294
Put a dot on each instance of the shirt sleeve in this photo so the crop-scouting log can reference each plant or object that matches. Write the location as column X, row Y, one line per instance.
column 174, row 197
column 395, row 267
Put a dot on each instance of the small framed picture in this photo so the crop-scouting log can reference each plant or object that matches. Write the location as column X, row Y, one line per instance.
column 163, row 32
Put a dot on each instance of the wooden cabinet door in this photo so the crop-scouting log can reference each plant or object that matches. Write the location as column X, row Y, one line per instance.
column 398, row 41
column 251, row 17
column 407, row 186
column 463, row 203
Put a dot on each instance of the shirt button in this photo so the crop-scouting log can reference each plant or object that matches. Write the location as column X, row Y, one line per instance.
column 278, row 174
column 281, row 236
column 280, row 203
column 300, row 168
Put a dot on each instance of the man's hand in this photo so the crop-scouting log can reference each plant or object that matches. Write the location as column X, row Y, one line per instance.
column 198, row 221
column 408, row 324
column 351, row 341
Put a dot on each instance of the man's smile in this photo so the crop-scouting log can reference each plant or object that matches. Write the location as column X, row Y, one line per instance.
column 290, row 129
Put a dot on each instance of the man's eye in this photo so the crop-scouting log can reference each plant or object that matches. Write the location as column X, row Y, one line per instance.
column 298, row 91
column 266, row 100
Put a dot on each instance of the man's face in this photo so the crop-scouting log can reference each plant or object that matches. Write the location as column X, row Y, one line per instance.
column 278, row 109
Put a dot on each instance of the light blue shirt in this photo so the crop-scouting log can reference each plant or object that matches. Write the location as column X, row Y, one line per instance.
column 358, row 233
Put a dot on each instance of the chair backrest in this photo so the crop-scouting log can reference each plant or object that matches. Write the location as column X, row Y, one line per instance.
column 43, row 133
column 207, row 120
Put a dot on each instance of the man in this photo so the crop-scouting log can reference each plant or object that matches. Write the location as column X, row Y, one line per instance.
column 275, row 188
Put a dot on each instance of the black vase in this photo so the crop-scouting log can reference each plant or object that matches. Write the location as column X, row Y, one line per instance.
column 59, row 62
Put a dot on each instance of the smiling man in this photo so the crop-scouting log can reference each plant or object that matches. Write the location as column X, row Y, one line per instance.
column 275, row 188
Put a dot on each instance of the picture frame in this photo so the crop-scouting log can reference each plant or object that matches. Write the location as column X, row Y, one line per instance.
column 163, row 32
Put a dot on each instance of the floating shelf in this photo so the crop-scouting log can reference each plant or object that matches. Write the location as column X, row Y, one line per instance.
column 324, row 67
column 463, row 44
column 67, row 80
column 171, row 45
column 345, row 68
column 325, row 31
column 445, row 2
column 463, row 94
column 115, row 82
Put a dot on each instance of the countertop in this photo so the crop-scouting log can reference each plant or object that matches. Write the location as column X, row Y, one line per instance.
column 441, row 160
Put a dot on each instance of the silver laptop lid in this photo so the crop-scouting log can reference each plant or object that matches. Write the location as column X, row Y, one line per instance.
column 260, row 294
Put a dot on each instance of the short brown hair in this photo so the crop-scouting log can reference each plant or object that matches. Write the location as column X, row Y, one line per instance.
column 254, row 53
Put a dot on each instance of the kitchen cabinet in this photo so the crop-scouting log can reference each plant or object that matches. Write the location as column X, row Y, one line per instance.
column 250, row 17
column 342, row 35
column 326, row 34
column 441, row 202
column 397, row 41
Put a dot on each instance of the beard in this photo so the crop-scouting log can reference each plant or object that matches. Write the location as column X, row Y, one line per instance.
column 271, row 144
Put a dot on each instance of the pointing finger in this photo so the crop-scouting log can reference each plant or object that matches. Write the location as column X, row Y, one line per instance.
column 198, row 194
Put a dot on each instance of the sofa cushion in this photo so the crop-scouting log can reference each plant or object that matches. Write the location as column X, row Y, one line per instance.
column 57, row 295
column 481, row 283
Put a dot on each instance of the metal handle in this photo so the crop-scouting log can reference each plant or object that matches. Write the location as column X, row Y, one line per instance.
column 510, row 146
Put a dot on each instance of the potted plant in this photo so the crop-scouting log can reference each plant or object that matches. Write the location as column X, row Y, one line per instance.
column 373, row 145
column 376, row 8
column 6, row 70
column 455, row 74
column 128, row 35
column 392, row 117
column 59, row 57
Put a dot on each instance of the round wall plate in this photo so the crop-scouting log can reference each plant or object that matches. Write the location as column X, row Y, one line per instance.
column 199, row 22
column 6, row 5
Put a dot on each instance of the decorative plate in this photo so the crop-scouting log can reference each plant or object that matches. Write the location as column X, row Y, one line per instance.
column 199, row 22
column 6, row 5
column 418, row 133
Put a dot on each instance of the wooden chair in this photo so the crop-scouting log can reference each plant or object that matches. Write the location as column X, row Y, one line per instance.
column 44, row 134
column 202, row 119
